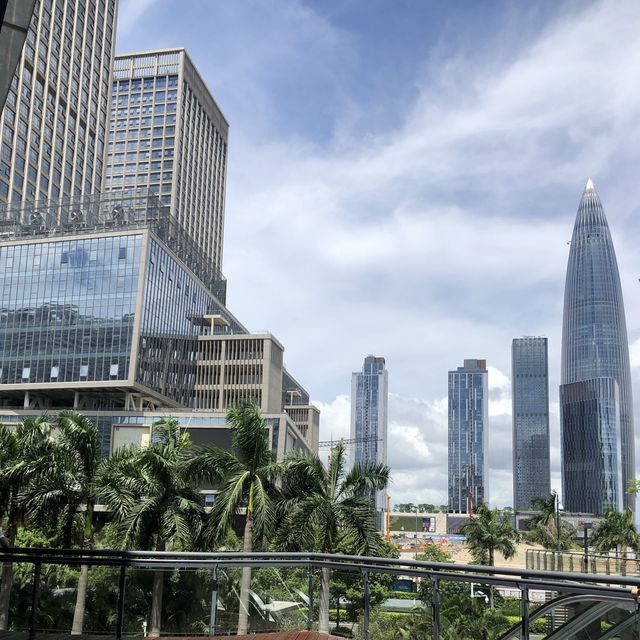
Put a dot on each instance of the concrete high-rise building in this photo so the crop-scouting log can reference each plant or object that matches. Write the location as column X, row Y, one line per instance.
column 468, row 434
column 530, row 393
column 53, row 125
column 167, row 134
column 369, row 404
column 15, row 16
column 596, row 409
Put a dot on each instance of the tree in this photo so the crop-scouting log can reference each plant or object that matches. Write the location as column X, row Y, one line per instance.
column 65, row 486
column 487, row 533
column 543, row 529
column 154, row 500
column 22, row 453
column 323, row 509
column 616, row 530
column 247, row 475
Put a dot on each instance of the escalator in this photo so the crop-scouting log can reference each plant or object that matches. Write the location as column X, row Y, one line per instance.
column 585, row 617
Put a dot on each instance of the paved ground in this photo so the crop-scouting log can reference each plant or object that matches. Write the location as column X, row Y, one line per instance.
column 281, row 635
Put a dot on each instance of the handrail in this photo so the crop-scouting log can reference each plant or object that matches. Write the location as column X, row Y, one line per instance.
column 444, row 570
column 581, row 586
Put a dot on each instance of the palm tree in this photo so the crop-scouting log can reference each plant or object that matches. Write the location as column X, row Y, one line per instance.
column 153, row 498
column 544, row 530
column 66, row 486
column 246, row 476
column 487, row 533
column 323, row 508
column 22, row 452
column 616, row 530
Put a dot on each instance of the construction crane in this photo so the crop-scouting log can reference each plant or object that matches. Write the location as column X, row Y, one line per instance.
column 470, row 504
column 327, row 444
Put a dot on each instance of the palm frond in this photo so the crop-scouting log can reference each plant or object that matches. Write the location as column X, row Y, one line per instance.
column 227, row 504
column 250, row 432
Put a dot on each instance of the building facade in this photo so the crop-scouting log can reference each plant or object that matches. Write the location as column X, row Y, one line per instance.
column 468, row 435
column 53, row 125
column 594, row 346
column 167, row 134
column 369, row 406
column 530, row 397
column 591, row 420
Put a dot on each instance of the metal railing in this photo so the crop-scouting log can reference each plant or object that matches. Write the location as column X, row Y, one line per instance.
column 591, row 562
column 624, row 589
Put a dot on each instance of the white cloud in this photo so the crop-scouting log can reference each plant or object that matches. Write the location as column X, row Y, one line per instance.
column 438, row 239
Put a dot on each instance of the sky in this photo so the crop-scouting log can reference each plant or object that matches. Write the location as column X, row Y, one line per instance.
column 403, row 179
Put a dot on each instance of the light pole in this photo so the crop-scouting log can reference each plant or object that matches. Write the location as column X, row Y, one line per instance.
column 416, row 554
column 558, row 522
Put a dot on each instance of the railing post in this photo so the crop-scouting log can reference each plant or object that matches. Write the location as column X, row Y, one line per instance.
column 122, row 582
column 524, row 612
column 310, row 607
column 214, row 603
column 35, row 599
column 365, row 624
column 435, row 605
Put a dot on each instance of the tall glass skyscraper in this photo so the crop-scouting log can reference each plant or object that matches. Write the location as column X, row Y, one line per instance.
column 369, row 400
column 167, row 134
column 53, row 125
column 468, row 426
column 530, row 380
column 595, row 352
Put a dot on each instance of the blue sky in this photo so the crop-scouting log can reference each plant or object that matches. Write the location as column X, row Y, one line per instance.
column 403, row 179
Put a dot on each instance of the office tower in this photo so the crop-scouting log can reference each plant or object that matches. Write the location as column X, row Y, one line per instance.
column 595, row 353
column 101, row 312
column 468, row 426
column 167, row 134
column 53, row 126
column 530, row 393
column 15, row 16
column 369, row 401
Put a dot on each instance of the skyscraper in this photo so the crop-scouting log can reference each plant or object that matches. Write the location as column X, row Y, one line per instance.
column 468, row 422
column 369, row 400
column 595, row 353
column 167, row 134
column 530, row 380
column 53, row 126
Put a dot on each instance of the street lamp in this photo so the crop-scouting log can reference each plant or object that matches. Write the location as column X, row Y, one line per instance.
column 558, row 521
column 416, row 554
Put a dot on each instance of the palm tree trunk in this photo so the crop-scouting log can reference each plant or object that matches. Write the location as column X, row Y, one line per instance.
column 7, row 582
column 245, row 581
column 325, row 586
column 81, row 596
column 156, row 598
column 491, row 562
column 83, row 580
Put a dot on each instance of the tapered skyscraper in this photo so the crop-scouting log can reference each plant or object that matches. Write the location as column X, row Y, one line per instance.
column 598, row 455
